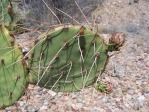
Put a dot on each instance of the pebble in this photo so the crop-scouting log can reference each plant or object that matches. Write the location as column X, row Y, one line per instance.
column 136, row 1
column 127, row 105
column 132, row 28
column 22, row 103
column 43, row 108
column 146, row 95
column 52, row 93
column 53, row 107
column 141, row 100
column 108, row 110
column 74, row 107
column 147, row 64
column 38, row 89
column 79, row 105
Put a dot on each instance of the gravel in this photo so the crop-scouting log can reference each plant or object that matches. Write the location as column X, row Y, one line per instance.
column 127, row 69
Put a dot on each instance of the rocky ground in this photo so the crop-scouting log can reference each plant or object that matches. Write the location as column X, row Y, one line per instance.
column 127, row 69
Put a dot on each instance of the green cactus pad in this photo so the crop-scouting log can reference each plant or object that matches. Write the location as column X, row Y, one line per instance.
column 67, row 58
column 13, row 76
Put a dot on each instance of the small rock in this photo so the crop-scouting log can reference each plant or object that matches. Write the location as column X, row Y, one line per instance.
column 141, row 100
column 79, row 105
column 136, row 1
column 11, row 109
column 46, row 103
column 22, row 103
column 105, row 99
column 49, row 104
column 38, row 89
column 37, row 96
column 31, row 86
column 74, row 107
column 43, row 108
column 143, row 109
column 132, row 28
column 118, row 99
column 79, row 100
column 147, row 64
column 68, row 108
column 146, row 95
column 128, row 97
column 52, row 93
column 44, row 91
column 53, row 107
column 33, row 110
column 42, row 99
column 108, row 110
column 127, row 105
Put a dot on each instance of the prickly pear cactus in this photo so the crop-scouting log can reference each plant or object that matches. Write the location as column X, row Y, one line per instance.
column 13, row 76
column 67, row 58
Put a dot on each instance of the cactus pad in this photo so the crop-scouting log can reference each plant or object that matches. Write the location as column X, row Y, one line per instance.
column 12, row 70
column 67, row 58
